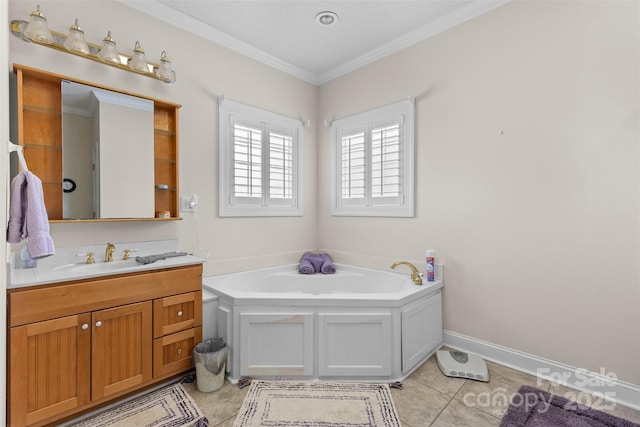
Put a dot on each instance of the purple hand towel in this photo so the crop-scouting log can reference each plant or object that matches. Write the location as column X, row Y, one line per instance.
column 327, row 265
column 28, row 216
column 305, row 266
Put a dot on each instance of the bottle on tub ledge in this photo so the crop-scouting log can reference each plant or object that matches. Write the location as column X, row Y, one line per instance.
column 431, row 265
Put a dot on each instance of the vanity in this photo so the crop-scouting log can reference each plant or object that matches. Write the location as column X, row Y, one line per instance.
column 83, row 334
column 81, row 337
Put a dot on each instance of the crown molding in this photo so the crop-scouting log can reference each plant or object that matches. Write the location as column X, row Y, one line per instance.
column 187, row 23
column 457, row 17
column 173, row 17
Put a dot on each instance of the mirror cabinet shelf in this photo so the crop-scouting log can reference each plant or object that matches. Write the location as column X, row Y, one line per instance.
column 35, row 110
column 41, row 114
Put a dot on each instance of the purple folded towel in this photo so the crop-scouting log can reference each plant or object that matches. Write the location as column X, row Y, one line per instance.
column 28, row 216
column 327, row 265
column 316, row 260
column 316, row 263
column 305, row 266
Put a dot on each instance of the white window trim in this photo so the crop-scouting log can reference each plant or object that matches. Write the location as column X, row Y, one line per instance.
column 273, row 207
column 348, row 208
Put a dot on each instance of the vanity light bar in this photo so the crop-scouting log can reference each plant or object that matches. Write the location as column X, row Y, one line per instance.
column 18, row 29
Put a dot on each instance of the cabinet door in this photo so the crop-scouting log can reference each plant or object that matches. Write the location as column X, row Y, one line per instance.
column 49, row 368
column 121, row 348
column 354, row 344
column 278, row 344
column 39, row 102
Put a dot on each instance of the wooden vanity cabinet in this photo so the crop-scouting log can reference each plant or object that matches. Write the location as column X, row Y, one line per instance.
column 76, row 345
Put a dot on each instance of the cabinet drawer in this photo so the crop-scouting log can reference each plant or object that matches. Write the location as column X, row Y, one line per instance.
column 177, row 313
column 174, row 353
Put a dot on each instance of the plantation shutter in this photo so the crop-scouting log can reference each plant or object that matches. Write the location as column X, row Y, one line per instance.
column 247, row 152
column 281, row 167
column 371, row 164
column 256, row 150
column 259, row 159
column 386, row 162
column 353, row 172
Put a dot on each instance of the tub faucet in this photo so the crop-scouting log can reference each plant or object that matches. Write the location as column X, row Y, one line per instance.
column 108, row 255
column 415, row 276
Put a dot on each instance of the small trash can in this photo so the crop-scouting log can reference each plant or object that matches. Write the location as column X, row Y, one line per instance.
column 210, row 358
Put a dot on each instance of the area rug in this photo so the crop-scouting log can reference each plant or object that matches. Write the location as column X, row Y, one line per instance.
column 168, row 406
column 317, row 404
column 532, row 407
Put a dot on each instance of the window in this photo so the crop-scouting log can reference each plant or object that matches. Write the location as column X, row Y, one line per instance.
column 260, row 154
column 373, row 164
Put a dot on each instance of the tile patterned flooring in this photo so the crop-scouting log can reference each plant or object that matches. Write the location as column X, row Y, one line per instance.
column 428, row 398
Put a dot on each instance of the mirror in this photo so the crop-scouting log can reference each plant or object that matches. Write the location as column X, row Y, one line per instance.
column 107, row 154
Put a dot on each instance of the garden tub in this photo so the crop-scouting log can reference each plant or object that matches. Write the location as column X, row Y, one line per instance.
column 358, row 324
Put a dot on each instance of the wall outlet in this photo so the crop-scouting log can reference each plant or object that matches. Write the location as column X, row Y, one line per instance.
column 189, row 204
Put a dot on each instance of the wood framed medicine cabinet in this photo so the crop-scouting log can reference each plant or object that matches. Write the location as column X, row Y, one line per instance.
column 38, row 99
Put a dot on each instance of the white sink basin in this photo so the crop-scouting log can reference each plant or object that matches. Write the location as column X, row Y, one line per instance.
column 97, row 267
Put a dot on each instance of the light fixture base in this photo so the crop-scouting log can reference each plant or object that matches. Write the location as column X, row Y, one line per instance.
column 18, row 27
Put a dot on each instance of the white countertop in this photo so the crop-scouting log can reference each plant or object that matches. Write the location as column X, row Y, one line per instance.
column 65, row 265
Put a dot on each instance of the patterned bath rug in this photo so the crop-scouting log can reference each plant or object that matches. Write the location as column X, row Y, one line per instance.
column 534, row 407
column 168, row 406
column 292, row 404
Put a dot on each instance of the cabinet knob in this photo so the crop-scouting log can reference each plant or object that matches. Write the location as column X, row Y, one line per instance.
column 85, row 326
column 179, row 351
column 180, row 314
column 98, row 324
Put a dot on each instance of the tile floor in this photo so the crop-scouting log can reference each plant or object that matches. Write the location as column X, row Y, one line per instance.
column 428, row 398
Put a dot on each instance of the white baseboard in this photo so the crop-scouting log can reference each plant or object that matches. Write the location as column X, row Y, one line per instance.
column 600, row 384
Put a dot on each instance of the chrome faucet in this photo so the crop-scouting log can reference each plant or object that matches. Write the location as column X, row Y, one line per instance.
column 108, row 255
column 415, row 276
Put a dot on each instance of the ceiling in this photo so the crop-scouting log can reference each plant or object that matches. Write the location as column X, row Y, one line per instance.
column 285, row 35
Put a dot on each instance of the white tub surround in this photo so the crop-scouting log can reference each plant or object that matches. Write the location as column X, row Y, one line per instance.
column 70, row 263
column 356, row 325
